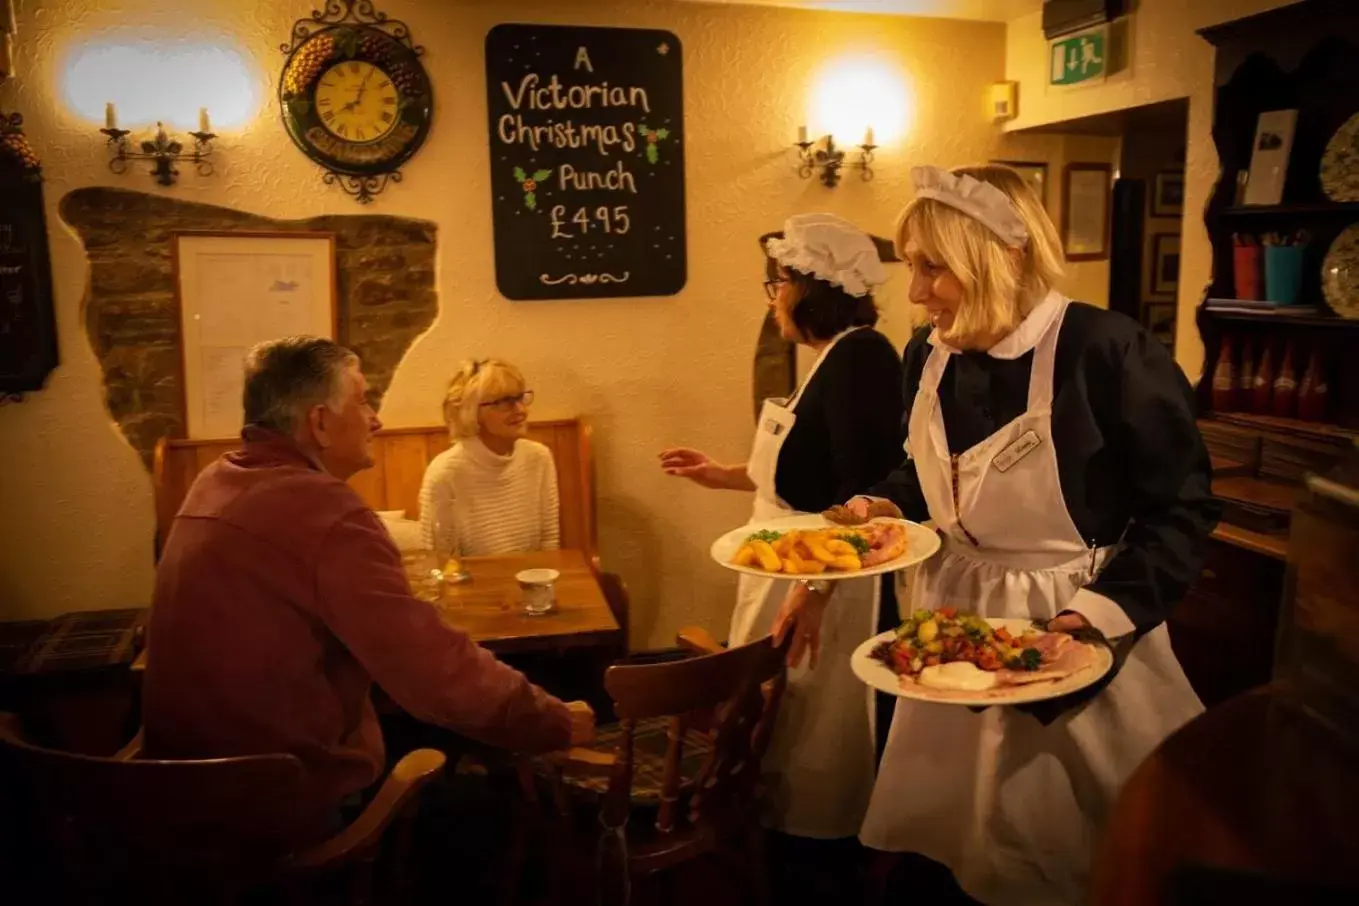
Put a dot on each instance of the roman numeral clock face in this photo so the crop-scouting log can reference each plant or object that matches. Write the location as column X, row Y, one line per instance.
column 357, row 102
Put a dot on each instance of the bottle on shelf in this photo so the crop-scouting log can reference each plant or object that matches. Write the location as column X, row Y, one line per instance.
column 1312, row 389
column 1245, row 373
column 1285, row 399
column 1262, row 389
column 1224, row 378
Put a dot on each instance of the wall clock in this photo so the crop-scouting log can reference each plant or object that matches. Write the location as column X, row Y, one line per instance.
column 355, row 97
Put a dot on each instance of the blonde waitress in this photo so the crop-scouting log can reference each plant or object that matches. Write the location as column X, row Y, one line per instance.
column 1054, row 445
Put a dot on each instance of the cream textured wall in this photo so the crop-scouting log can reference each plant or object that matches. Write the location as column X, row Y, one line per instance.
column 1168, row 60
column 76, row 503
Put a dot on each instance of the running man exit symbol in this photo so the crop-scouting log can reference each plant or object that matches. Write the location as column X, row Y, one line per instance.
column 1079, row 58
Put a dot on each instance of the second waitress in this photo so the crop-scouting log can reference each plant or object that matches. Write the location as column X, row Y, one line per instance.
column 838, row 435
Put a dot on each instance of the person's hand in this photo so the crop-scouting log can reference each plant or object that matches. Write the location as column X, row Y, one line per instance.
column 859, row 510
column 582, row 723
column 800, row 614
column 681, row 462
column 1068, row 622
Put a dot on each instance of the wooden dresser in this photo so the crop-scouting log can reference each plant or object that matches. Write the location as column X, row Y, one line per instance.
column 1303, row 57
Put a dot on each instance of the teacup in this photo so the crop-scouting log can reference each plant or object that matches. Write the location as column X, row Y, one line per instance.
column 538, row 591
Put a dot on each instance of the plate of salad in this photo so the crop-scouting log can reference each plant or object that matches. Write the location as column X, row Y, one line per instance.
column 965, row 659
column 813, row 547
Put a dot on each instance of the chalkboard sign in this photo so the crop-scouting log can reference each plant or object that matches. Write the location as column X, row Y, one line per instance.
column 587, row 161
column 28, row 329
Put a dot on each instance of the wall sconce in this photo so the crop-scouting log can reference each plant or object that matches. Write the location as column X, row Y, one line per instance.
column 830, row 159
column 163, row 151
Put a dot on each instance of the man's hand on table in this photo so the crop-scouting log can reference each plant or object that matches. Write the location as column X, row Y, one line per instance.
column 582, row 723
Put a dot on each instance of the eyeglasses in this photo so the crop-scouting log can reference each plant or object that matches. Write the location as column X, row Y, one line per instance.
column 772, row 287
column 507, row 403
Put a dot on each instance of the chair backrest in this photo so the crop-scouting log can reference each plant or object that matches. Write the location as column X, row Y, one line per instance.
column 155, row 823
column 737, row 692
column 400, row 456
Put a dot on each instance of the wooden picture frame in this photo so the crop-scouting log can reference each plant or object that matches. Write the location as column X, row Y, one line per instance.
column 28, row 325
column 1035, row 173
column 1165, row 264
column 1167, row 197
column 1086, row 199
column 236, row 289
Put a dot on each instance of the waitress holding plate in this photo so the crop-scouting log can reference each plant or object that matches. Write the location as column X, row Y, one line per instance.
column 1055, row 448
column 836, row 437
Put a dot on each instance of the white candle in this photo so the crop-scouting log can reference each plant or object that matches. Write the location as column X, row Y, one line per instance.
column 801, row 134
column 110, row 116
column 204, row 125
column 868, row 136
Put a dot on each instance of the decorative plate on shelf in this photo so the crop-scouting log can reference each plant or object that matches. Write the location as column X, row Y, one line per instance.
column 1340, row 163
column 1340, row 274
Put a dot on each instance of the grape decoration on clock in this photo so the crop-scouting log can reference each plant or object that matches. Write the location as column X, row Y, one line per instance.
column 355, row 97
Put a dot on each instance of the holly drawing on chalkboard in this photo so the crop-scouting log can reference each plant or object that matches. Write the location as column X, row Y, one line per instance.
column 653, row 138
column 530, row 185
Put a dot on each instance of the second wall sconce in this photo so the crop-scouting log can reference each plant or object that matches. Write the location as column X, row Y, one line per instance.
column 164, row 151
column 830, row 160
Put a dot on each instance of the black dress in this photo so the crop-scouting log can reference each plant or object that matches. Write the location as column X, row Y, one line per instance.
column 848, row 435
column 1130, row 458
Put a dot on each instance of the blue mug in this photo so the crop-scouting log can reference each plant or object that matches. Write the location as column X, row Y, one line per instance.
column 1283, row 273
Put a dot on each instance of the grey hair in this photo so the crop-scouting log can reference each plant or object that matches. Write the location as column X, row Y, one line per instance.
column 285, row 378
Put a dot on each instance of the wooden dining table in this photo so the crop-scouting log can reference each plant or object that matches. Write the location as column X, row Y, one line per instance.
column 488, row 606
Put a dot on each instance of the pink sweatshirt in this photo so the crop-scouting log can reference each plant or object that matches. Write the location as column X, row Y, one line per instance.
column 279, row 600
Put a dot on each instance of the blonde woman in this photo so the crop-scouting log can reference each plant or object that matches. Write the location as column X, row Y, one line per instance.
column 494, row 491
column 1054, row 445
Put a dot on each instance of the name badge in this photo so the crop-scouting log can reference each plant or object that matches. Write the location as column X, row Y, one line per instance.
column 1027, row 443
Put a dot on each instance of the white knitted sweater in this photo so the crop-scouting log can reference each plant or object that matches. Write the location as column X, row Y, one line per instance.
column 477, row 503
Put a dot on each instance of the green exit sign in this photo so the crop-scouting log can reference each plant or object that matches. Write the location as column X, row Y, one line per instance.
column 1079, row 58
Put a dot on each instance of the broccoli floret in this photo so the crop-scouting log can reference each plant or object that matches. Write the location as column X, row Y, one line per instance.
column 858, row 542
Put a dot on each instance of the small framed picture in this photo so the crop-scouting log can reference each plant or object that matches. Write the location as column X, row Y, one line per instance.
column 1269, row 159
column 1085, row 211
column 1159, row 319
column 1168, row 198
column 1035, row 173
column 1165, row 264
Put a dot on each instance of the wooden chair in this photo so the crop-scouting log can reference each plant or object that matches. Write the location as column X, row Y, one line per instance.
column 207, row 831
column 678, row 777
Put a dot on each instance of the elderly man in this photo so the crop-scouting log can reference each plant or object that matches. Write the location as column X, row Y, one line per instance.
column 280, row 599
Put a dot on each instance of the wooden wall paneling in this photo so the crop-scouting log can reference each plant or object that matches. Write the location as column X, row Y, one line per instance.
column 403, row 469
column 370, row 484
column 400, row 457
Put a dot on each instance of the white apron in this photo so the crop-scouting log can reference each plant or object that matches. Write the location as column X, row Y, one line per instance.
column 819, row 766
column 1012, row 806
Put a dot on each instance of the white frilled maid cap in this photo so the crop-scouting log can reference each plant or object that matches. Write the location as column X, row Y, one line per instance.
column 829, row 248
column 979, row 200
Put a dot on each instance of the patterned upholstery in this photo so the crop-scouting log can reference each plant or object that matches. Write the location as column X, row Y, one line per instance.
column 650, row 741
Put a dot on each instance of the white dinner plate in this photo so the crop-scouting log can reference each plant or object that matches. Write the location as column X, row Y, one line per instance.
column 921, row 543
column 880, row 676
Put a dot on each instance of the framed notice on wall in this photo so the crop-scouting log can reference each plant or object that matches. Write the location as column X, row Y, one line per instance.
column 234, row 290
column 587, row 161
column 1085, row 211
